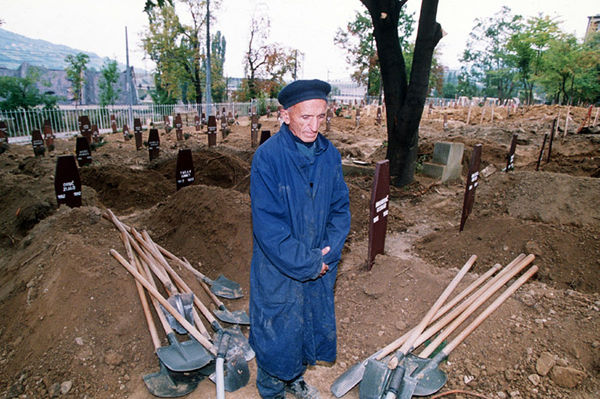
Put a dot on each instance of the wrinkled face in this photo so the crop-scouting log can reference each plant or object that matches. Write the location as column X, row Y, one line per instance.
column 305, row 118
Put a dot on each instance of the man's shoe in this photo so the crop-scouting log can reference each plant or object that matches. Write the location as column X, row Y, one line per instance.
column 301, row 390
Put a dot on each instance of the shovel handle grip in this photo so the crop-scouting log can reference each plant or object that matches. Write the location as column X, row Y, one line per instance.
column 190, row 328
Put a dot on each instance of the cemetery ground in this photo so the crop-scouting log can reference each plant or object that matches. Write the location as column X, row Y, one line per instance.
column 71, row 324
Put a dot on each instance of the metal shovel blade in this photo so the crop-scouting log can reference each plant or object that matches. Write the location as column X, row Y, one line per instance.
column 427, row 376
column 349, row 378
column 232, row 317
column 238, row 340
column 164, row 384
column 236, row 372
column 374, row 380
column 184, row 303
column 225, row 288
column 183, row 356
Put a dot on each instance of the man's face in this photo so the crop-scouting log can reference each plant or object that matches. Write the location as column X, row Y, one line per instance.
column 305, row 118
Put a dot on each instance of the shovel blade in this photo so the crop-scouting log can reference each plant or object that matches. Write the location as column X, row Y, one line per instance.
column 184, row 303
column 183, row 356
column 349, row 379
column 233, row 317
column 226, row 288
column 236, row 372
column 374, row 381
column 164, row 384
column 427, row 377
column 237, row 339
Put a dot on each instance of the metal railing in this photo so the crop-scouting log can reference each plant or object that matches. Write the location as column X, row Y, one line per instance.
column 65, row 120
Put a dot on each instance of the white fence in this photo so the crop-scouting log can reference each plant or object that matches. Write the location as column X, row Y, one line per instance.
column 64, row 121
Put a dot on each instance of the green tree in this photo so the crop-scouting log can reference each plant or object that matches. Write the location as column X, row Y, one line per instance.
column 23, row 93
column 486, row 59
column 358, row 41
column 109, row 91
column 218, row 85
column 76, row 67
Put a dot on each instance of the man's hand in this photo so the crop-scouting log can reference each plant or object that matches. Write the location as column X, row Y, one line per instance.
column 324, row 268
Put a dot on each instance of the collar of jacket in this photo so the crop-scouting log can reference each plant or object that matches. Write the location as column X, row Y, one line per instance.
column 321, row 142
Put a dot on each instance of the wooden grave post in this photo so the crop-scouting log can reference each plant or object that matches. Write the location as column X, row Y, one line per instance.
column 95, row 133
column 184, row 171
column 203, row 120
column 254, row 130
column 197, row 123
column 137, row 132
column 83, row 152
column 230, row 119
column 471, row 186
column 167, row 123
column 510, row 158
column 125, row 132
column 585, row 120
column 85, row 128
column 223, row 125
column 380, row 196
column 552, row 131
column 3, row 137
column 67, row 184
column 153, row 144
column 378, row 117
column 48, row 135
column 38, row 143
column 212, row 131
column 179, row 127
column 113, row 123
column 537, row 166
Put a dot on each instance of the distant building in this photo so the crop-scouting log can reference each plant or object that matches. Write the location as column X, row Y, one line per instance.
column 593, row 25
column 347, row 91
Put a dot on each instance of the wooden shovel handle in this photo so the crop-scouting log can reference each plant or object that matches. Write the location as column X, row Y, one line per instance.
column 147, row 314
column 475, row 323
column 190, row 328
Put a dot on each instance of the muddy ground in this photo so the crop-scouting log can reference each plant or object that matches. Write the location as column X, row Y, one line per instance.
column 71, row 323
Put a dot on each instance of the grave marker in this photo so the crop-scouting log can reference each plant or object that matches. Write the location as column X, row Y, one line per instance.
column 471, row 186
column 3, row 137
column 184, row 172
column 203, row 119
column 48, row 135
column 585, row 120
column 197, row 123
column 230, row 119
column 212, row 131
column 264, row 136
column 554, row 123
column 113, row 123
column 67, row 184
column 125, row 132
column 38, row 143
column 223, row 125
column 83, row 152
column 167, row 122
column 357, row 117
column 137, row 132
column 380, row 196
column 153, row 144
column 95, row 133
column 179, row 127
column 378, row 117
column 85, row 128
column 537, row 166
column 510, row 162
column 253, row 130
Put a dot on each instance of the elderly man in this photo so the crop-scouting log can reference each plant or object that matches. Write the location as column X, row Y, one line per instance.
column 300, row 220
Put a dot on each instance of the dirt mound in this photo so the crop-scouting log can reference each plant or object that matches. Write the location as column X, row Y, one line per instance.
column 206, row 224
column 122, row 188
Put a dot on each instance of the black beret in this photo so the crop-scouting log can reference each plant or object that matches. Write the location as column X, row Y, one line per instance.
column 302, row 90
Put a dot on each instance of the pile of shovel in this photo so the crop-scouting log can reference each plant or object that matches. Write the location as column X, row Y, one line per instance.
column 222, row 356
column 396, row 372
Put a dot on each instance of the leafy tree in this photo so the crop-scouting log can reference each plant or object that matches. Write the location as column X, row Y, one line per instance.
column 359, row 43
column 23, row 93
column 75, row 73
column 486, row 59
column 265, row 64
column 218, row 85
column 404, row 98
column 109, row 91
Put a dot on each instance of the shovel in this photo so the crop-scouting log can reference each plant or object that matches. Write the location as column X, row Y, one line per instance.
column 235, row 374
column 163, row 383
column 377, row 374
column 222, row 313
column 427, row 378
column 222, row 286
column 348, row 380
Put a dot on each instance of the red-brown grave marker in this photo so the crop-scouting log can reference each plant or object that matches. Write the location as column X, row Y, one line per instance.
column 113, row 123
column 125, row 132
column 197, row 123
column 3, row 137
column 380, row 196
column 83, row 152
column 179, row 127
column 137, row 133
column 264, row 136
column 67, row 184
column 254, row 130
column 184, row 172
column 48, row 135
column 223, row 125
column 203, row 119
column 38, row 143
column 471, row 186
column 212, row 131
column 378, row 117
column 85, row 128
column 510, row 158
column 95, row 133
column 153, row 144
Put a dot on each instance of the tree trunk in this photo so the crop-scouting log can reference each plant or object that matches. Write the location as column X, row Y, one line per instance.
column 404, row 102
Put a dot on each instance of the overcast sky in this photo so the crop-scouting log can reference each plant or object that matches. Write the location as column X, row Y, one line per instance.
column 98, row 26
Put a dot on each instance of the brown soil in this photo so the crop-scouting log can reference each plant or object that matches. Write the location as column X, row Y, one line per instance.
column 70, row 314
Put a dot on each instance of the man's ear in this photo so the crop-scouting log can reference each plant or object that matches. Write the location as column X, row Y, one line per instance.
column 285, row 115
